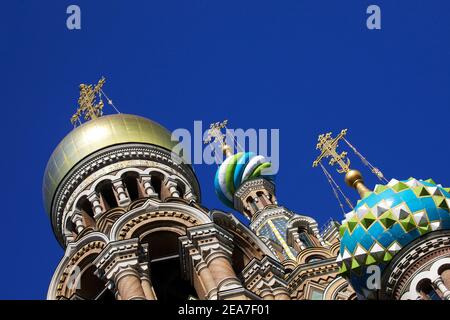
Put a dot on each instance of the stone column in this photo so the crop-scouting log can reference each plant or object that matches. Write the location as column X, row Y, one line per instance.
column 222, row 271
column 122, row 197
column 95, row 201
column 190, row 196
column 195, row 270
column 77, row 219
column 208, row 282
column 146, row 282
column 439, row 285
column 119, row 264
column 214, row 247
column 148, row 188
column 128, row 283
column 171, row 186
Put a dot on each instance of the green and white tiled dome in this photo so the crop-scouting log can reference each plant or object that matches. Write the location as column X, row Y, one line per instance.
column 385, row 221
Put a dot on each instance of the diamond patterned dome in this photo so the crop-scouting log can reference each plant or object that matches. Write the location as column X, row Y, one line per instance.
column 385, row 221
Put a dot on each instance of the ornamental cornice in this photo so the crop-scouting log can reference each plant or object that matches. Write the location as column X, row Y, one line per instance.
column 311, row 270
column 118, row 256
column 254, row 185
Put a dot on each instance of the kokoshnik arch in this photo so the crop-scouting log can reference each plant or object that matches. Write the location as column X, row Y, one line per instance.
column 128, row 213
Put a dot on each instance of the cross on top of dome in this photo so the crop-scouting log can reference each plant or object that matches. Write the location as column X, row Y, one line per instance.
column 90, row 103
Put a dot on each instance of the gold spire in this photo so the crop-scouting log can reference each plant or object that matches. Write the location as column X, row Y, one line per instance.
column 87, row 103
column 215, row 134
column 328, row 148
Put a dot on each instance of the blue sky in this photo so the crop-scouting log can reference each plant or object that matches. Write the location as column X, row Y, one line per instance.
column 302, row 66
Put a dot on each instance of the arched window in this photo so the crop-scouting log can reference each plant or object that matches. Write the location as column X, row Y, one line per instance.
column 130, row 181
column 90, row 287
column 181, row 189
column 306, row 238
column 426, row 290
column 251, row 202
column 106, row 191
column 85, row 205
column 262, row 198
column 156, row 182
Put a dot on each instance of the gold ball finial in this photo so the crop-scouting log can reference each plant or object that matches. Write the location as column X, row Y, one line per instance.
column 352, row 177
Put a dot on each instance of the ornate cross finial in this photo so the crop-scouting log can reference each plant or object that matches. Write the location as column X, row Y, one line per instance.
column 215, row 135
column 90, row 103
column 328, row 145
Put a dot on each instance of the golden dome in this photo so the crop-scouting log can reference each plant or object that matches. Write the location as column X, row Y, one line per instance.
column 94, row 135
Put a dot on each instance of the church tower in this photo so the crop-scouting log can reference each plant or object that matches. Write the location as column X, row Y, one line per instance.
column 127, row 212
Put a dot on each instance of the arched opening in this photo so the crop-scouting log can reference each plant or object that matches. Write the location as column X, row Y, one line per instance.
column 90, row 287
column 130, row 182
column 251, row 202
column 106, row 191
column 262, row 198
column 426, row 290
column 85, row 205
column 165, row 267
column 156, row 182
column 181, row 188
column 306, row 237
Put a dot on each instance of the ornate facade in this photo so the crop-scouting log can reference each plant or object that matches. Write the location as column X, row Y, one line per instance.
column 128, row 213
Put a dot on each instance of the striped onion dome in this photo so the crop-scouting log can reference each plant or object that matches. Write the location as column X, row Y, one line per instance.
column 237, row 169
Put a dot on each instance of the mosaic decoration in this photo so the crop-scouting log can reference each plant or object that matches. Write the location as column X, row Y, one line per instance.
column 385, row 221
column 235, row 170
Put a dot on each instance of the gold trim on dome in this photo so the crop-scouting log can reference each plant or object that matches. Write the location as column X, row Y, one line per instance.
column 95, row 135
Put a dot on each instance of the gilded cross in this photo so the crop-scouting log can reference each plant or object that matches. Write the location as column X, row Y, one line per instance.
column 328, row 145
column 87, row 102
column 215, row 133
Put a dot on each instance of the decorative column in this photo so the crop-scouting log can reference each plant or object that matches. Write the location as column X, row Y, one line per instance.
column 146, row 281
column 122, row 197
column 439, row 285
column 190, row 196
column 119, row 264
column 77, row 220
column 148, row 188
column 171, row 186
column 215, row 248
column 96, row 206
column 196, row 271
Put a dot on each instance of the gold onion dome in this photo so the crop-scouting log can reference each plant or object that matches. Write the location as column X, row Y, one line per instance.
column 95, row 135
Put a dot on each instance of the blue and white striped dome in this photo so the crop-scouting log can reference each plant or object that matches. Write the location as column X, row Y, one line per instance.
column 237, row 169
